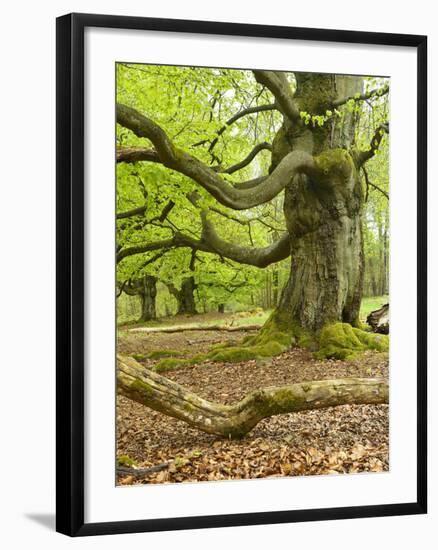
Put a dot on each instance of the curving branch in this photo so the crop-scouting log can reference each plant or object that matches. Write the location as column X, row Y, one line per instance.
column 278, row 85
column 130, row 213
column 176, row 159
column 369, row 184
column 259, row 257
column 363, row 156
column 249, row 184
column 247, row 160
column 235, row 421
column 136, row 154
column 376, row 92
column 211, row 243
column 233, row 119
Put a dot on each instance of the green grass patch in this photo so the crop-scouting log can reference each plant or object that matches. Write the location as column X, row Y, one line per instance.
column 370, row 304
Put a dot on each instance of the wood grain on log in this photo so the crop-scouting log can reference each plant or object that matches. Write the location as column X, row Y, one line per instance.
column 234, row 421
column 183, row 328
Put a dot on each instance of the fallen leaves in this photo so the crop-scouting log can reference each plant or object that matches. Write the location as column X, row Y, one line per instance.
column 348, row 439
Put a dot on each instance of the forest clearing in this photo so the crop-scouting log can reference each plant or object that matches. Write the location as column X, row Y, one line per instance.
column 252, row 218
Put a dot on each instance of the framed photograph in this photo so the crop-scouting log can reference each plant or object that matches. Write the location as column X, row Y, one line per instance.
column 241, row 274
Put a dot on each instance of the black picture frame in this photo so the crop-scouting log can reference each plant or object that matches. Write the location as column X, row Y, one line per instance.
column 70, row 273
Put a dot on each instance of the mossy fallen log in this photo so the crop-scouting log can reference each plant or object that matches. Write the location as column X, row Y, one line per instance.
column 234, row 421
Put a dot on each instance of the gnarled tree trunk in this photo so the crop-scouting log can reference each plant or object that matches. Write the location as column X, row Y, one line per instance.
column 323, row 215
column 234, row 421
column 146, row 288
column 184, row 296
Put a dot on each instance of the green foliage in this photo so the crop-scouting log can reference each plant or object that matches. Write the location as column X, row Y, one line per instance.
column 371, row 304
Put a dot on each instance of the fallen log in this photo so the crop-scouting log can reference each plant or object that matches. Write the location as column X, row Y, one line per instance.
column 182, row 328
column 234, row 421
column 379, row 320
column 140, row 472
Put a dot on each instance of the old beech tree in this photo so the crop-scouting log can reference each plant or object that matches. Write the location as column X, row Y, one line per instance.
column 316, row 164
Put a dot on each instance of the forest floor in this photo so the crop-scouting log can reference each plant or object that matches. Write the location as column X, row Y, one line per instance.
column 346, row 439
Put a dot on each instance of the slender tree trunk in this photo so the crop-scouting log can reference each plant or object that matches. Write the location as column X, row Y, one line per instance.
column 275, row 286
column 385, row 256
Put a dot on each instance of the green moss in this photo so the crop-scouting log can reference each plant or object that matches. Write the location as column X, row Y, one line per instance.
column 267, row 337
column 125, row 460
column 344, row 342
column 174, row 363
column 161, row 353
column 246, row 353
column 334, row 164
column 142, row 387
column 379, row 342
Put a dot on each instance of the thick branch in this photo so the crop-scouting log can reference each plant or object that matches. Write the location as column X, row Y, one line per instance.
column 375, row 143
column 130, row 213
column 234, row 421
column 136, row 154
column 259, row 257
column 250, row 184
column 210, row 242
column 277, row 83
column 378, row 92
column 239, row 199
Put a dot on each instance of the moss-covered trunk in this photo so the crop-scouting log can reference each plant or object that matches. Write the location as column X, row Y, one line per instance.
column 234, row 421
column 323, row 214
column 327, row 260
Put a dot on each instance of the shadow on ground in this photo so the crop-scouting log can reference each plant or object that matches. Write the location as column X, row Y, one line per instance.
column 46, row 520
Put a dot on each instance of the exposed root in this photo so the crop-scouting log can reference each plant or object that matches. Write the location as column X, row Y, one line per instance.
column 342, row 341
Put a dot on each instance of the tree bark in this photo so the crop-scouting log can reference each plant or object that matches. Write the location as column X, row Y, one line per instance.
column 323, row 215
column 187, row 299
column 146, row 289
column 148, row 297
column 379, row 320
column 234, row 421
column 184, row 296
